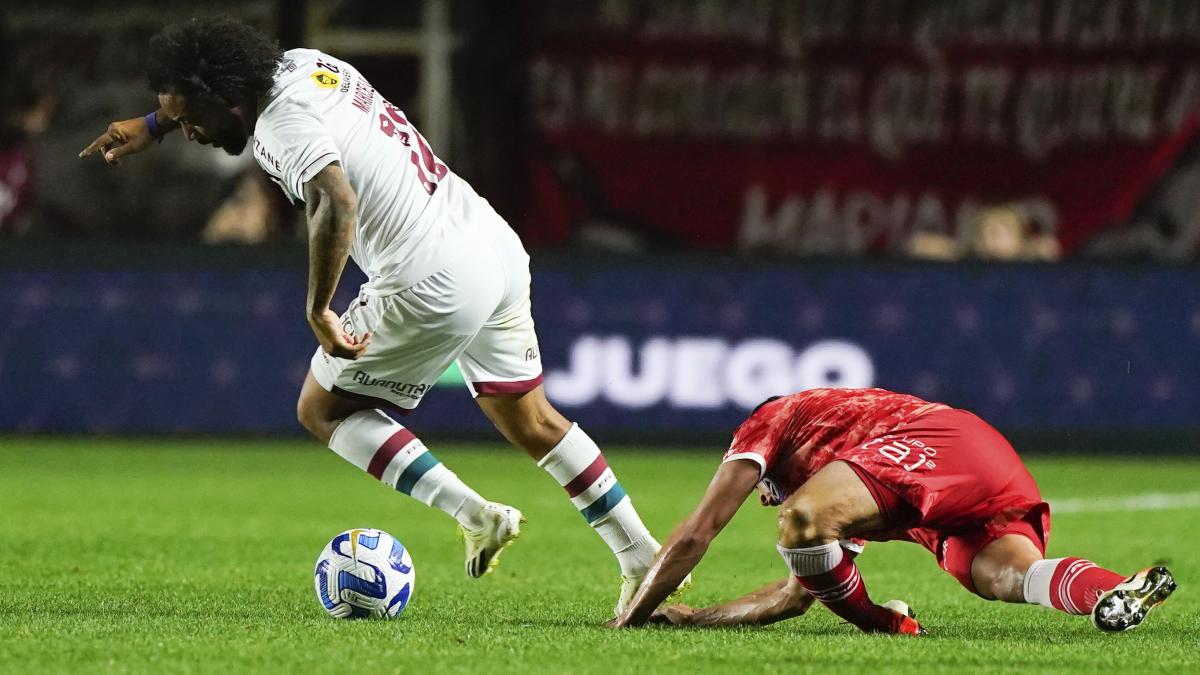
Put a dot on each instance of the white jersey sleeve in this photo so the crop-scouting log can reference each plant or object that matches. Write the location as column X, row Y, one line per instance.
column 293, row 146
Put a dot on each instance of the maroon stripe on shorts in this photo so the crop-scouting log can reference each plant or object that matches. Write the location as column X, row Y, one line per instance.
column 518, row 387
column 387, row 451
column 582, row 481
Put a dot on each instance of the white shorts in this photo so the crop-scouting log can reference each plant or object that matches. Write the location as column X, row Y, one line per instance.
column 475, row 311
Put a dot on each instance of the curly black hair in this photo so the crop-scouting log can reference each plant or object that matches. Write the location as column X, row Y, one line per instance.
column 216, row 59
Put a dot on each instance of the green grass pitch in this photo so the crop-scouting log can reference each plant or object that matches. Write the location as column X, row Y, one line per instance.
column 197, row 556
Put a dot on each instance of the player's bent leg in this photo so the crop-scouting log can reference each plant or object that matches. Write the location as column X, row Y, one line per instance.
column 1078, row 586
column 380, row 446
column 1011, row 569
column 835, row 503
column 573, row 459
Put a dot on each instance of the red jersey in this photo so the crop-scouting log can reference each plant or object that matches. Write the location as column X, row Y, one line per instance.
column 793, row 437
column 966, row 484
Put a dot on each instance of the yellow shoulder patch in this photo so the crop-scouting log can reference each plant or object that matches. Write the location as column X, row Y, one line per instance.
column 325, row 79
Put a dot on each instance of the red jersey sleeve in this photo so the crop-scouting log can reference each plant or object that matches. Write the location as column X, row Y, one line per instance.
column 757, row 439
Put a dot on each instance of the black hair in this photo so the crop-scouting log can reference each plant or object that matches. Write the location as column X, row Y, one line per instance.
column 769, row 400
column 215, row 59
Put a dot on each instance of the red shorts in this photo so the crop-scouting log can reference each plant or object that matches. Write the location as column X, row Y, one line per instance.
column 953, row 484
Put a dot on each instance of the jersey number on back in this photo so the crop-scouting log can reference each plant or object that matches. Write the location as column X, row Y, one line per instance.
column 429, row 169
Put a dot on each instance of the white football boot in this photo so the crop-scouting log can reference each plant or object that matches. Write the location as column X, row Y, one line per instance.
column 1124, row 607
column 630, row 586
column 485, row 545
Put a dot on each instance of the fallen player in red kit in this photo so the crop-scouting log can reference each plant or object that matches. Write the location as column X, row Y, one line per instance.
column 877, row 465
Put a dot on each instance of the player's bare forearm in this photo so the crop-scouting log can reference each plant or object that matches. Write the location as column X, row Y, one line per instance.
column 689, row 542
column 777, row 601
column 675, row 561
column 331, row 211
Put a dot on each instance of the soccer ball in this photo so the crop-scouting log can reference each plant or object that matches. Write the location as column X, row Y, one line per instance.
column 364, row 573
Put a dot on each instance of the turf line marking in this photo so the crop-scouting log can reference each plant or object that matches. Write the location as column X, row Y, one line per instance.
column 1151, row 501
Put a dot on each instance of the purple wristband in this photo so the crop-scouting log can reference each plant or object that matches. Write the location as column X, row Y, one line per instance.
column 156, row 132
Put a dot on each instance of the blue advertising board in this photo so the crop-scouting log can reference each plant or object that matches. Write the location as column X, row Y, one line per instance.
column 687, row 347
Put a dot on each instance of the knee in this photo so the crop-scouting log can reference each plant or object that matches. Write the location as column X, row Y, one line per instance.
column 801, row 524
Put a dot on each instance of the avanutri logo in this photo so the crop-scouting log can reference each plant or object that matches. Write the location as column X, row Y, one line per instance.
column 702, row 373
column 401, row 389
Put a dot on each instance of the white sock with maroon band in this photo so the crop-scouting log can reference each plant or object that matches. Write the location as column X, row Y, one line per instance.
column 375, row 443
column 579, row 467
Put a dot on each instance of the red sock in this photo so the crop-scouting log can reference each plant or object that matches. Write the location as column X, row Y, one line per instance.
column 1078, row 583
column 1071, row 585
column 842, row 590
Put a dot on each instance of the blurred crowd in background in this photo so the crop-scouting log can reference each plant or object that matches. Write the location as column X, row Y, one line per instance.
column 73, row 67
column 934, row 130
column 650, row 153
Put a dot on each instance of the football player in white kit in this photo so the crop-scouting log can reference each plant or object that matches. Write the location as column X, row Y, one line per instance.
column 448, row 279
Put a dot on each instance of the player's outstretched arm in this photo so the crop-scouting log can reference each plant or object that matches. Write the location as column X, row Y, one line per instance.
column 689, row 542
column 128, row 137
column 331, row 208
column 776, row 601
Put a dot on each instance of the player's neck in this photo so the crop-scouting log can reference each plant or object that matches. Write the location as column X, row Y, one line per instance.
column 250, row 111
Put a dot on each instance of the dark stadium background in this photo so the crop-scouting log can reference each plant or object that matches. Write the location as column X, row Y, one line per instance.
column 990, row 204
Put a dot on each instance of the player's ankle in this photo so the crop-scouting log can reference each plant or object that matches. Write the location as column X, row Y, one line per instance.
column 470, row 514
column 635, row 559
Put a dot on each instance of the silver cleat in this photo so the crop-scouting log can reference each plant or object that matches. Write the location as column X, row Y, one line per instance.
column 1126, row 606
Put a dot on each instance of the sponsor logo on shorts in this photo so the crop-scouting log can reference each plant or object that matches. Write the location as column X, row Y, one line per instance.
column 412, row 392
column 531, row 354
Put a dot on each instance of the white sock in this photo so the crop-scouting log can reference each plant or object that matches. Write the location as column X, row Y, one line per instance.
column 580, row 468
column 375, row 443
column 805, row 562
column 1037, row 582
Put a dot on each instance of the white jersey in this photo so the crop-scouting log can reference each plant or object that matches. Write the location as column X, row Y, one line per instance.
column 414, row 214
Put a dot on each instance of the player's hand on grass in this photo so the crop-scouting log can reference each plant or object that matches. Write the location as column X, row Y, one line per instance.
column 120, row 139
column 673, row 615
column 670, row 615
column 619, row 622
column 334, row 340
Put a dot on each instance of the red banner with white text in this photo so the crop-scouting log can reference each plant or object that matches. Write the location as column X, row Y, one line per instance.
column 842, row 127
